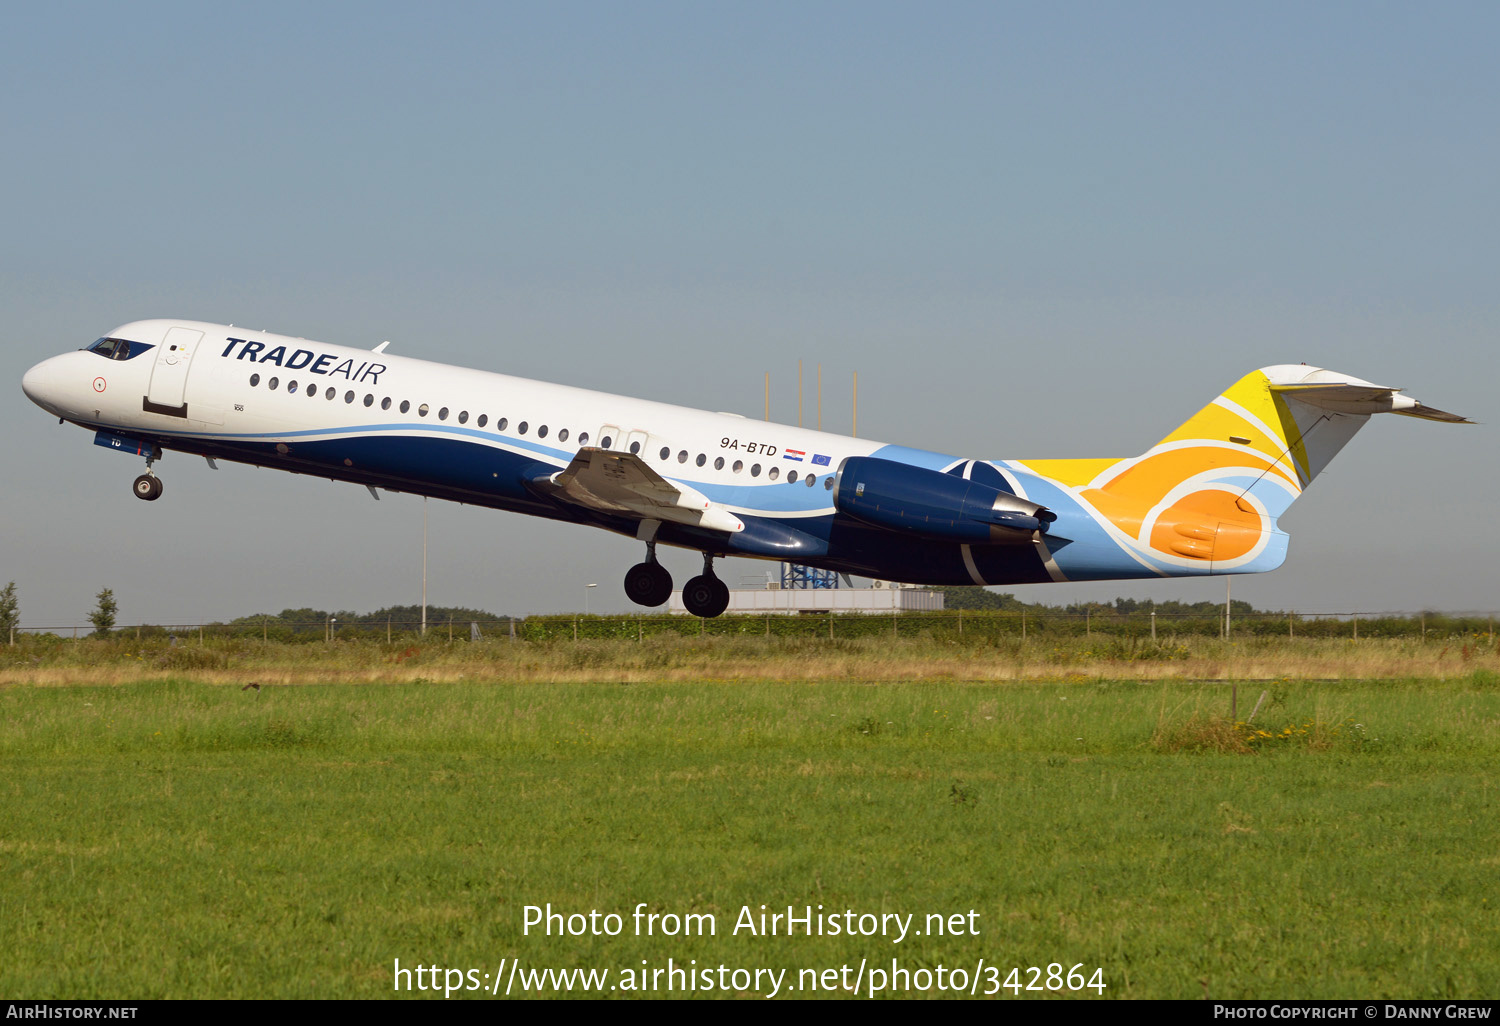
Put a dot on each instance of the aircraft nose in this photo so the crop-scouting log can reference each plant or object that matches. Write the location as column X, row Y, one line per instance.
column 41, row 384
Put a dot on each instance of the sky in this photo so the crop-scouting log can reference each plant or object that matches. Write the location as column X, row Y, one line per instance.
column 1032, row 230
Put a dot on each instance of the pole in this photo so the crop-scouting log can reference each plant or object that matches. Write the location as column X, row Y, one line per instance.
column 768, row 395
column 799, row 393
column 1226, row 607
column 855, row 432
column 424, row 566
column 1153, row 625
column 820, row 397
column 1023, row 624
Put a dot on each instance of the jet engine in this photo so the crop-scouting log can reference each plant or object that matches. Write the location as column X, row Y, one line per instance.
column 934, row 505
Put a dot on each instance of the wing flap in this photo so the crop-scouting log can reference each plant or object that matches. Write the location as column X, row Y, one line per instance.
column 623, row 484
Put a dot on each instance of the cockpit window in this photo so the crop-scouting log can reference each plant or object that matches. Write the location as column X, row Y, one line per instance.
column 118, row 348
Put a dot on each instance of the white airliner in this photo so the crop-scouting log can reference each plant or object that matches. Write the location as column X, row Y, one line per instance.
column 1205, row 500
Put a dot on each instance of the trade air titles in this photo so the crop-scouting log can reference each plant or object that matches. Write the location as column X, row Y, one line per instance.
column 299, row 359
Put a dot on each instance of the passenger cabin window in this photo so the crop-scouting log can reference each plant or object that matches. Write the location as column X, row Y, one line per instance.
column 774, row 473
column 405, row 406
column 443, row 413
column 272, row 384
column 254, row 380
column 500, row 424
column 385, row 404
column 330, row 393
column 484, row 418
column 541, row 432
column 606, row 442
column 583, row 438
column 291, row 386
column 562, row 436
column 422, row 410
column 369, row 399
column 665, row 452
column 521, row 427
column 463, row 417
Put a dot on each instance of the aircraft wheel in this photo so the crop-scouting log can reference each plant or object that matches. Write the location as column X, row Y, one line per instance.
column 148, row 487
column 648, row 584
column 705, row 596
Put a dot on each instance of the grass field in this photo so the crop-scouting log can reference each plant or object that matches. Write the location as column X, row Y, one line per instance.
column 179, row 837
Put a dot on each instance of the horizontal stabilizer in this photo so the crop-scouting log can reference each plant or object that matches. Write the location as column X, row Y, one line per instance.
column 1362, row 398
column 621, row 483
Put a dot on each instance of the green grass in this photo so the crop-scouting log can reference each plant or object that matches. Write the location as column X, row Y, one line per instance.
column 176, row 839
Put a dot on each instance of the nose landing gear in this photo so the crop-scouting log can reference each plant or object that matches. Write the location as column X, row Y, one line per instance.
column 706, row 595
column 148, row 487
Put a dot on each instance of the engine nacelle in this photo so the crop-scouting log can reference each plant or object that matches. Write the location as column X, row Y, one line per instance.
column 931, row 504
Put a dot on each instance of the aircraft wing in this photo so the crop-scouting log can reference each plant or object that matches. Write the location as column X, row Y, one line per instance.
column 623, row 484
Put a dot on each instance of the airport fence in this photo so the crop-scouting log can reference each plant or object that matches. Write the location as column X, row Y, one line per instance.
column 1137, row 627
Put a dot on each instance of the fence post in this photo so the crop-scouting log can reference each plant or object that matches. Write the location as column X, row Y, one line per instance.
column 638, row 634
column 1153, row 625
column 768, row 625
column 1088, row 631
column 575, row 628
column 960, row 621
column 1023, row 625
column 830, row 626
column 200, row 634
column 1291, row 618
column 1356, row 626
column 894, row 632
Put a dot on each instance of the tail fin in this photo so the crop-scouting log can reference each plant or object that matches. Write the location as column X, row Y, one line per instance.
column 1208, row 495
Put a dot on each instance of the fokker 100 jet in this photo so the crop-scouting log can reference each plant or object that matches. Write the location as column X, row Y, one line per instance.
column 1203, row 500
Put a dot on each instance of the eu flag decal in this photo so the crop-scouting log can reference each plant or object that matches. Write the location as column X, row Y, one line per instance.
column 819, row 460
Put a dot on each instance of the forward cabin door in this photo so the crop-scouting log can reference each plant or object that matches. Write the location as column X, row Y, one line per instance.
column 169, row 375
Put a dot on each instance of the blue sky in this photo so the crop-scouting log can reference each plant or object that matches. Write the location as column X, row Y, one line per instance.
column 1032, row 229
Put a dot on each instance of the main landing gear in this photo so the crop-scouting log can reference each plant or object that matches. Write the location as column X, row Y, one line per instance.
column 649, row 584
column 706, row 595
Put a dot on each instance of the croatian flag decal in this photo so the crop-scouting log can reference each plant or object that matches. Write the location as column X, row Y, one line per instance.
column 819, row 460
column 795, row 455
